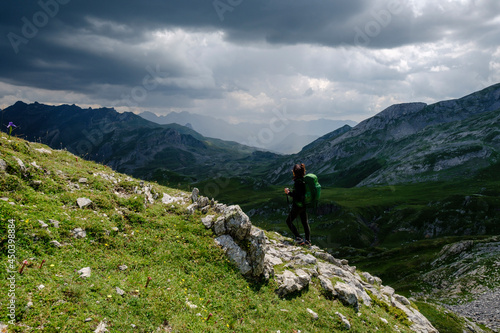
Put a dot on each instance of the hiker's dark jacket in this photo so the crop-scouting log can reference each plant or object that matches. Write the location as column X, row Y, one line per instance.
column 299, row 191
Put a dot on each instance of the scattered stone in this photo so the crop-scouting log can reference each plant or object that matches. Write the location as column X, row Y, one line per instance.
column 40, row 287
column 55, row 223
column 384, row 321
column 55, row 243
column 192, row 208
column 87, row 320
column 101, row 328
column 79, row 233
column 43, row 224
column 29, row 305
column 4, row 199
column 21, row 164
column 3, row 165
column 120, row 291
column 43, row 151
column 343, row 319
column 83, row 202
column 84, row 272
column 83, row 180
column 314, row 314
column 191, row 305
column 167, row 199
column 290, row 283
column 122, row 267
column 207, row 221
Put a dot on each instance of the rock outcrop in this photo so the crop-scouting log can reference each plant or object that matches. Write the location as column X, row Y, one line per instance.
column 295, row 268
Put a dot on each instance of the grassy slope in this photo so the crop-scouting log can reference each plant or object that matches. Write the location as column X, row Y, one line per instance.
column 157, row 241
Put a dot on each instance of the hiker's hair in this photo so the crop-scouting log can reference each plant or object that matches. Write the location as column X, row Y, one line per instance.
column 299, row 170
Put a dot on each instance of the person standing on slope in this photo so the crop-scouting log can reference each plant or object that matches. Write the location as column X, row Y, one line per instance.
column 298, row 205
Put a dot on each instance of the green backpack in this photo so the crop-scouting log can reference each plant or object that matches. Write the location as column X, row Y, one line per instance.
column 313, row 190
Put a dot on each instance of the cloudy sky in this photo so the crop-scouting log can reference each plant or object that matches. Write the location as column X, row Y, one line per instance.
column 241, row 59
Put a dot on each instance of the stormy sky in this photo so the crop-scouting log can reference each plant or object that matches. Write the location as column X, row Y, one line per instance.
column 241, row 59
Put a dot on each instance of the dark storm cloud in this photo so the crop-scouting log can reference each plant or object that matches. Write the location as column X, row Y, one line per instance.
column 104, row 50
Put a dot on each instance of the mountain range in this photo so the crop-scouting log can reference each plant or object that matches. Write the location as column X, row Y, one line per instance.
column 131, row 144
column 283, row 135
column 405, row 143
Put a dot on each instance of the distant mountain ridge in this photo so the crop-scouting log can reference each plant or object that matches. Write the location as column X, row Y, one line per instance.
column 287, row 138
column 129, row 143
column 409, row 142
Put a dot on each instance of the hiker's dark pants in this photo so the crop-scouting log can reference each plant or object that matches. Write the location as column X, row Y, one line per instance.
column 302, row 212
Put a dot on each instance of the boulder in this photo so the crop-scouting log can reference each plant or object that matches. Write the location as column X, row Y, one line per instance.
column 256, row 254
column 207, row 221
column 346, row 294
column 219, row 226
column 289, row 283
column 238, row 224
column 235, row 254
column 194, row 195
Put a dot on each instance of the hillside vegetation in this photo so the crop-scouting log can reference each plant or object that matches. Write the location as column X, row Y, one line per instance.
column 152, row 265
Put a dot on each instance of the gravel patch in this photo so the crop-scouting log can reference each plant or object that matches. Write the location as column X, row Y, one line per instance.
column 485, row 309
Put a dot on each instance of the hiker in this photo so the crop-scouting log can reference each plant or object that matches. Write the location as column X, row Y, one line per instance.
column 298, row 205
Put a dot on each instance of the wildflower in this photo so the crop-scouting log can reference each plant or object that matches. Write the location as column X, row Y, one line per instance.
column 147, row 282
column 24, row 265
column 11, row 126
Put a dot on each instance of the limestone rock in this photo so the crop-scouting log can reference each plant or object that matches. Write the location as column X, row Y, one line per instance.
column 207, row 221
column 84, row 272
column 237, row 222
column 289, row 283
column 219, row 226
column 79, row 233
column 236, row 255
column 313, row 314
column 3, row 165
column 55, row 243
column 327, row 285
column 167, row 199
column 83, row 202
column 256, row 254
column 101, row 328
column 194, row 195
column 343, row 319
column 55, row 223
column 347, row 294
column 120, row 291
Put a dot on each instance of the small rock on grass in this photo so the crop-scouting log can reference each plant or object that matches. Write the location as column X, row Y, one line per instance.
column 313, row 314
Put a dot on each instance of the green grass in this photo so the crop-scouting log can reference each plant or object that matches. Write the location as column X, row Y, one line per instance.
column 154, row 240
